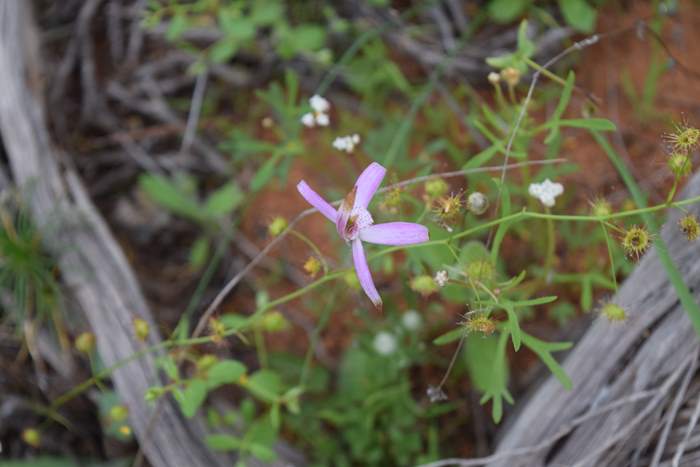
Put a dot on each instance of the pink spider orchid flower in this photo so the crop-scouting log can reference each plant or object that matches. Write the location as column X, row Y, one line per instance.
column 355, row 224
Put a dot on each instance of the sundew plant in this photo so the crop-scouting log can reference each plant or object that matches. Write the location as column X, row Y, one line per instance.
column 413, row 242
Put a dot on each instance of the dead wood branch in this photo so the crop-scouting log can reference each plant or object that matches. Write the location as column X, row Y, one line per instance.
column 94, row 268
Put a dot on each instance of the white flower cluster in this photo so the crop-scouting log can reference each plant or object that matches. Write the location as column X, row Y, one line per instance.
column 384, row 343
column 319, row 115
column 346, row 143
column 441, row 278
column 411, row 320
column 546, row 191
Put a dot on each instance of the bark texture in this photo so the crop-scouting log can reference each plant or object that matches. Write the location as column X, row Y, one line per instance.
column 93, row 267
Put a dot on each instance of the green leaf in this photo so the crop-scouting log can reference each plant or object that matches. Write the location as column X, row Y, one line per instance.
column 449, row 336
column 599, row 124
column 505, row 11
column 544, row 352
column 265, row 173
column 193, row 397
column 266, row 385
column 225, row 372
column 176, row 27
column 222, row 442
column 488, row 370
column 199, row 252
column 223, row 50
column 224, row 200
column 169, row 195
column 534, row 301
column 561, row 107
column 579, row 14
column 513, row 325
column 525, row 46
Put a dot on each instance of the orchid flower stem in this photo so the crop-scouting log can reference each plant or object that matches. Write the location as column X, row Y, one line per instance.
column 313, row 247
column 608, row 243
column 315, row 337
column 551, row 246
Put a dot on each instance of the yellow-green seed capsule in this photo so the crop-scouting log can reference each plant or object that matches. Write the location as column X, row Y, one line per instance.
column 480, row 270
column 277, row 226
column 614, row 313
column 690, row 226
column 424, row 285
column 481, row 324
column 436, row 188
column 680, row 164
column 206, row 361
column 636, row 241
column 85, row 342
column 600, row 207
column 683, row 138
column 118, row 413
column 141, row 329
column 32, row 437
column 274, row 321
column 511, row 76
column 312, row 266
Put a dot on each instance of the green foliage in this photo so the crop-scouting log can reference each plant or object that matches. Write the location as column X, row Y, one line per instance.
column 27, row 273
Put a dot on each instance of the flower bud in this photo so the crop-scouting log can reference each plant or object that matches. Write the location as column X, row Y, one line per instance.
column 141, row 329
column 480, row 270
column 424, row 285
column 477, row 203
column 689, row 226
column 600, row 207
column 118, row 413
column 436, row 188
column 511, row 76
column 205, row 362
column 85, row 342
column 32, row 437
column 679, row 164
column 277, row 226
column 481, row 324
column 494, row 78
column 613, row 312
column 274, row 321
column 312, row 266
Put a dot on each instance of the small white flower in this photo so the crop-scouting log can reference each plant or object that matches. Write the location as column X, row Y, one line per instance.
column 322, row 119
column 346, row 143
column 319, row 116
column 546, row 191
column 308, row 120
column 384, row 343
column 411, row 320
column 319, row 104
column 441, row 278
column 494, row 78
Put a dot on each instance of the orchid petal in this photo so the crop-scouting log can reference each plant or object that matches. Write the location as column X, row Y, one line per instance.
column 315, row 200
column 367, row 184
column 395, row 233
column 363, row 274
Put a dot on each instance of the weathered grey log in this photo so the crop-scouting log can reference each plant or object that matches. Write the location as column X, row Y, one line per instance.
column 92, row 264
column 655, row 351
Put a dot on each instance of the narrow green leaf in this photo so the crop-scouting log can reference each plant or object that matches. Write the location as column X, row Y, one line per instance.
column 223, row 442
column 223, row 201
column 450, row 336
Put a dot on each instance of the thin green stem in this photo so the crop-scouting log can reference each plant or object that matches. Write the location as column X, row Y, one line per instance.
column 545, row 71
column 551, row 246
column 608, row 243
column 313, row 247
